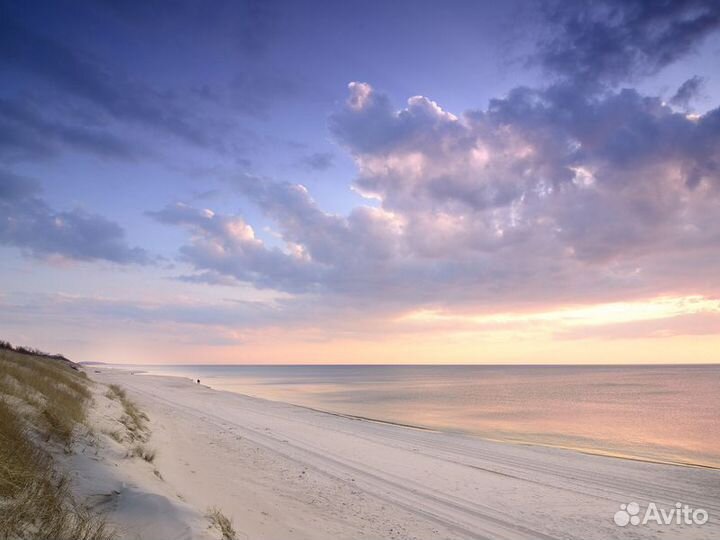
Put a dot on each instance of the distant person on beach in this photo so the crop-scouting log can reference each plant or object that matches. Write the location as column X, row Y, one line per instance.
column 198, row 381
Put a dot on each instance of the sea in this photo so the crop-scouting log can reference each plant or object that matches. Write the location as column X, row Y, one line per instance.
column 663, row 413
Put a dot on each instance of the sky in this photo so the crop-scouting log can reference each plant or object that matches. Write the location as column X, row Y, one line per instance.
column 361, row 182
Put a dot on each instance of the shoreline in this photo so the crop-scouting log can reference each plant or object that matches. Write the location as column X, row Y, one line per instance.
column 284, row 471
column 594, row 451
column 518, row 442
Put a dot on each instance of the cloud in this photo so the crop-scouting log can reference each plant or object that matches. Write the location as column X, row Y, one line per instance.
column 610, row 41
column 251, row 25
column 369, row 123
column 226, row 246
column 93, row 96
column 687, row 92
column 525, row 146
column 318, row 161
column 79, row 75
column 545, row 196
column 254, row 93
column 28, row 223
column 26, row 134
column 322, row 253
column 140, row 311
column 572, row 192
column 140, row 321
column 696, row 324
column 209, row 278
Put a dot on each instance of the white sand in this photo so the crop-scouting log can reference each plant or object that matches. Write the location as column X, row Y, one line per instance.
column 284, row 472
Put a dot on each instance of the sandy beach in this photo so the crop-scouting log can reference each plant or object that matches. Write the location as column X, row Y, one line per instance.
column 379, row 270
column 286, row 472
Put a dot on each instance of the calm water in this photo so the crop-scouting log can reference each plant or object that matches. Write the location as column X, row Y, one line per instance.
column 666, row 413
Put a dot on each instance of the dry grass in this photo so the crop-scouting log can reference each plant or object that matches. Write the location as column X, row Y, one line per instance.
column 134, row 420
column 40, row 399
column 221, row 522
column 115, row 435
column 56, row 392
column 116, row 392
column 142, row 451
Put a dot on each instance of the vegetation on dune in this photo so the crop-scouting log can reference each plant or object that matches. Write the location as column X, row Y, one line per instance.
column 43, row 411
column 57, row 393
column 43, row 402
column 5, row 345
column 142, row 451
column 221, row 522
column 134, row 420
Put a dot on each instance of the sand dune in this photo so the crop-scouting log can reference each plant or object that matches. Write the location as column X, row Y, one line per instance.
column 285, row 472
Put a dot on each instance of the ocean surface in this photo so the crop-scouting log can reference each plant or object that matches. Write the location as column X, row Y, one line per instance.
column 658, row 413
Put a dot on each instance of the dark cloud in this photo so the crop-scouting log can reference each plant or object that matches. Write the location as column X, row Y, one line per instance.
column 255, row 93
column 92, row 97
column 79, row 75
column 250, row 24
column 26, row 134
column 610, row 41
column 251, row 93
column 27, row 222
column 617, row 134
column 688, row 91
column 319, row 161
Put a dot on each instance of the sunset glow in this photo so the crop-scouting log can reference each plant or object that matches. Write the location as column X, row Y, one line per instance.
column 596, row 315
column 370, row 186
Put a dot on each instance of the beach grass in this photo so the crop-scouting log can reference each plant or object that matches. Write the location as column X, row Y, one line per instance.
column 58, row 393
column 142, row 451
column 223, row 523
column 42, row 404
column 134, row 420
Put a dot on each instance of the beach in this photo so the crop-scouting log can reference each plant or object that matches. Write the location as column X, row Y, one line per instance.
column 380, row 270
column 282, row 471
column 665, row 414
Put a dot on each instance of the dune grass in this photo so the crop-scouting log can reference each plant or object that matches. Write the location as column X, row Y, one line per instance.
column 142, row 451
column 42, row 402
column 55, row 391
column 134, row 420
column 223, row 523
